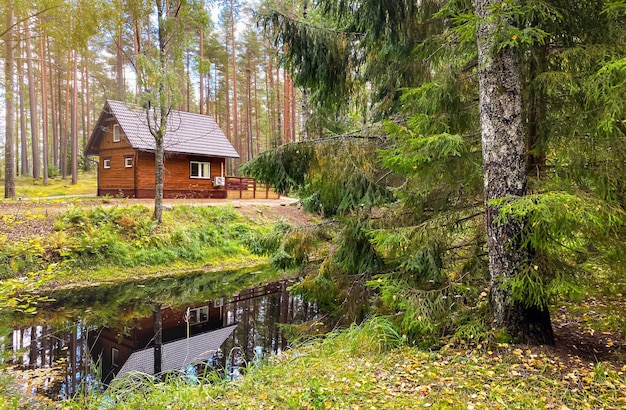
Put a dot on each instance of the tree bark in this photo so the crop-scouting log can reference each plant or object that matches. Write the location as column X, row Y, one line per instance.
column 53, row 112
column 65, row 135
column 74, row 120
column 32, row 101
column 201, row 64
column 44, row 109
column 234, row 65
column 9, row 81
column 85, row 115
column 24, row 164
column 504, row 169
column 159, row 129
column 121, row 87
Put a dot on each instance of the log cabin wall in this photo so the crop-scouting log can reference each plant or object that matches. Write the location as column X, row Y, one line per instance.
column 178, row 182
column 118, row 179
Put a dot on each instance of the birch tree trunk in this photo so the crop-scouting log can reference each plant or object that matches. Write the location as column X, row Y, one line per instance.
column 158, row 131
column 504, row 168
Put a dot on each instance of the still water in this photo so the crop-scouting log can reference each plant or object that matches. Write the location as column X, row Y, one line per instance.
column 87, row 338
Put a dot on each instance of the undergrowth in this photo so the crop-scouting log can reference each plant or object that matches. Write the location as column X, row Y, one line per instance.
column 126, row 237
column 369, row 366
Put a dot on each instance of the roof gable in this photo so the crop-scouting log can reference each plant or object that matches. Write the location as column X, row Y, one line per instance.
column 187, row 133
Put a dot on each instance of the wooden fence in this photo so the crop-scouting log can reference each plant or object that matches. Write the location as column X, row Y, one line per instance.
column 248, row 188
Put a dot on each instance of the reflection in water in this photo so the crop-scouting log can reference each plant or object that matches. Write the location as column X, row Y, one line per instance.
column 63, row 359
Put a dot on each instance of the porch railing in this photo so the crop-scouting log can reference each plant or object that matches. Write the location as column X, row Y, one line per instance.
column 248, row 188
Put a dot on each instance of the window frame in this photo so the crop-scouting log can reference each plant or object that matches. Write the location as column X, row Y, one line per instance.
column 128, row 162
column 115, row 357
column 202, row 166
column 117, row 134
column 196, row 316
column 106, row 163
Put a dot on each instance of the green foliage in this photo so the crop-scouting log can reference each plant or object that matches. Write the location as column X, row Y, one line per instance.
column 284, row 168
column 355, row 254
column 335, row 176
column 126, row 236
column 328, row 55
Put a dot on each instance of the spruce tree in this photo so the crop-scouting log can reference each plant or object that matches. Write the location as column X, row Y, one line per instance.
column 448, row 185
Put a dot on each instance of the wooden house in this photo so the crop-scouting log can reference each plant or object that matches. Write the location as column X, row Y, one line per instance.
column 195, row 154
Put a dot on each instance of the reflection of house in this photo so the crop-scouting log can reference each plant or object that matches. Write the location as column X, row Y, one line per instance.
column 178, row 354
column 188, row 335
column 195, row 153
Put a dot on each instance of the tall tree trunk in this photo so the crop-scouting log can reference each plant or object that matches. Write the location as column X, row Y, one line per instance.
column 504, row 170
column 228, row 122
column 305, row 114
column 53, row 112
column 248, row 142
column 85, row 117
column 257, row 131
column 188, row 82
column 234, row 65
column 279, row 127
column 305, row 93
column 65, row 135
column 286, row 108
column 201, row 64
column 34, row 106
column 121, row 87
column 9, row 121
column 74, row 119
column 44, row 109
column 294, row 117
column 269, row 91
column 158, row 131
column 137, row 49
column 23, row 139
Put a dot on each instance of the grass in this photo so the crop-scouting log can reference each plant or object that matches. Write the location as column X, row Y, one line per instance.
column 27, row 187
column 95, row 244
column 367, row 367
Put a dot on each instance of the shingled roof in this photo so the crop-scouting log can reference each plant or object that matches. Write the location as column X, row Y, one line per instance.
column 178, row 354
column 187, row 133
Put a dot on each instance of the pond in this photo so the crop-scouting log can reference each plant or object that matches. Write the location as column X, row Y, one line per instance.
column 86, row 338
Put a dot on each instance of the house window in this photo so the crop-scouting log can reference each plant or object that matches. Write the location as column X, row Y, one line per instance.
column 117, row 135
column 200, row 169
column 115, row 357
column 128, row 162
column 106, row 163
column 198, row 315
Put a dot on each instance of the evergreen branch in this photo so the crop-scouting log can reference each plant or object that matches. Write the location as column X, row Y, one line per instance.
column 273, row 13
column 3, row 33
